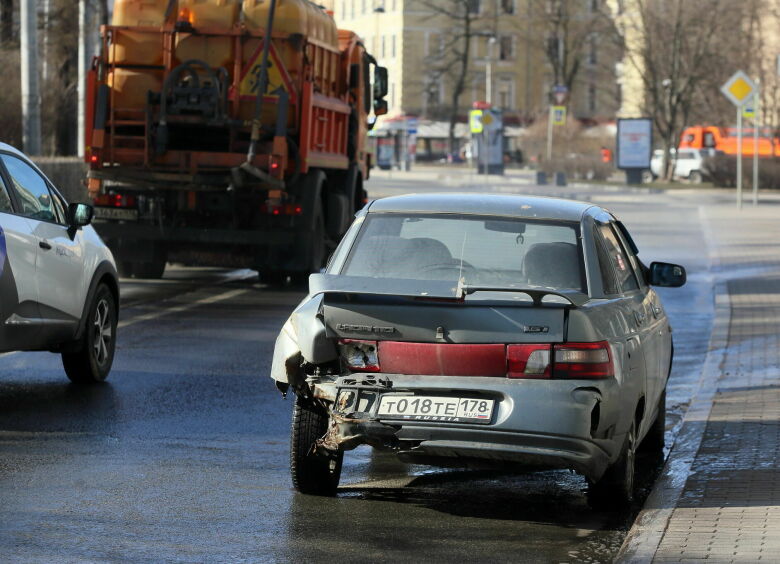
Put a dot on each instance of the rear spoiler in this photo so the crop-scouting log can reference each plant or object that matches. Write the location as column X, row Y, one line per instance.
column 428, row 289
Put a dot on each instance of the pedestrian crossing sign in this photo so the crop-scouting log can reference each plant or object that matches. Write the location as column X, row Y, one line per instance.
column 559, row 115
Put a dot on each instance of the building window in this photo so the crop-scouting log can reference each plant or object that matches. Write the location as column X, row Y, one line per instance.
column 392, row 46
column 352, row 9
column 508, row 6
column 392, row 94
column 433, row 94
column 382, row 48
column 362, row 6
column 506, row 48
column 592, row 99
column 343, row 12
column 594, row 6
column 506, row 93
column 593, row 47
column 473, row 6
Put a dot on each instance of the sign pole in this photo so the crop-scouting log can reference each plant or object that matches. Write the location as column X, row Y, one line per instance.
column 549, row 134
column 739, row 157
column 756, row 124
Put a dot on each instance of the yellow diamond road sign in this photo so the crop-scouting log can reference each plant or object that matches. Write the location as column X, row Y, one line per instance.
column 739, row 88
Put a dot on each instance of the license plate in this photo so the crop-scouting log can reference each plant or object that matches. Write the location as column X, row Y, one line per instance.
column 116, row 213
column 435, row 408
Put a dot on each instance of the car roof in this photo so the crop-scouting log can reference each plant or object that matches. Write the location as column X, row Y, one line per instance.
column 515, row 205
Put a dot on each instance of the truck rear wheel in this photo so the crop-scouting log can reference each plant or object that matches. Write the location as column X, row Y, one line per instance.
column 153, row 270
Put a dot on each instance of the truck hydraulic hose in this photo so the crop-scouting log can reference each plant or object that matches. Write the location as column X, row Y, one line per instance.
column 262, row 84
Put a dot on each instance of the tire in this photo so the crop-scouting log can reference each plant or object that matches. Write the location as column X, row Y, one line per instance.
column 92, row 362
column 153, row 270
column 647, row 177
column 273, row 278
column 615, row 489
column 125, row 269
column 316, row 252
column 653, row 443
column 695, row 177
column 311, row 473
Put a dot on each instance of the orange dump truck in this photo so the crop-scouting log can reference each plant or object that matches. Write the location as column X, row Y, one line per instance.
column 208, row 144
column 725, row 139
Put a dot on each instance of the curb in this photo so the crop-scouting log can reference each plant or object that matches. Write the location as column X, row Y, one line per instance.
column 645, row 536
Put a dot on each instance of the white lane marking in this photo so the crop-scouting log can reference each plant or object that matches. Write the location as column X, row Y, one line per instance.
column 184, row 307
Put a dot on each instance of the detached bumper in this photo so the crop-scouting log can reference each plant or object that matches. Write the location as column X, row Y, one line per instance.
column 536, row 424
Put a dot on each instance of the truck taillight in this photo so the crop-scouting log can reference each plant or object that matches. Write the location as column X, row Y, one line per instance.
column 282, row 209
column 115, row 201
column 586, row 361
column 360, row 356
column 276, row 166
column 528, row 361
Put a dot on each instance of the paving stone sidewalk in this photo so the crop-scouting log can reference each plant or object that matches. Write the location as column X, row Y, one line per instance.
column 729, row 508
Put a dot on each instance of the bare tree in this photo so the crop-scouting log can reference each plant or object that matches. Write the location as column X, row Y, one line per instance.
column 451, row 60
column 563, row 30
column 676, row 47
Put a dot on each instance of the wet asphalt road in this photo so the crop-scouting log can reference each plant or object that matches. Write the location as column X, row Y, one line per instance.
column 182, row 454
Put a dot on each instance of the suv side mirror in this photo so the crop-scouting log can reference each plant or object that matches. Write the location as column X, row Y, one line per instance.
column 380, row 83
column 666, row 274
column 80, row 215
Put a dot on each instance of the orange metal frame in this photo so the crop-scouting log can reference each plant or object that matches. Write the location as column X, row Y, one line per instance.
column 319, row 98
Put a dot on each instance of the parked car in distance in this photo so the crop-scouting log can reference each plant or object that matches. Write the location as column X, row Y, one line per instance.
column 481, row 330
column 688, row 164
column 59, row 289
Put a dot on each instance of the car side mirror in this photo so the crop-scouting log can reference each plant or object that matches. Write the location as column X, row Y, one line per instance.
column 667, row 275
column 80, row 215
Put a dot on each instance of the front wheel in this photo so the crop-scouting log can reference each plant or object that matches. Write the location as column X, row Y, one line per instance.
column 92, row 362
column 312, row 473
column 615, row 489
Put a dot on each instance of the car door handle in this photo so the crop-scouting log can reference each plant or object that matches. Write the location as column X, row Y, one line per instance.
column 45, row 245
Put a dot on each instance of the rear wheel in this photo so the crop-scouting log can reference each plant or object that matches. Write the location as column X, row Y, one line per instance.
column 153, row 270
column 695, row 177
column 92, row 362
column 312, row 473
column 615, row 489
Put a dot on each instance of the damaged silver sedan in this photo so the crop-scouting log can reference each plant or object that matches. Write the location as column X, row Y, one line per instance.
column 481, row 331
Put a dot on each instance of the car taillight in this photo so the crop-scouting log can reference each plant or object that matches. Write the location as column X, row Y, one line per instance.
column 360, row 356
column 569, row 361
column 586, row 361
column 528, row 361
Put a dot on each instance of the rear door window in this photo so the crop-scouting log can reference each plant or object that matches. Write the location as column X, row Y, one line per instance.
column 620, row 259
column 606, row 266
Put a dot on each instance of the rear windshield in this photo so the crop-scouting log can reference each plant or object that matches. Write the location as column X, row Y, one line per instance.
column 482, row 250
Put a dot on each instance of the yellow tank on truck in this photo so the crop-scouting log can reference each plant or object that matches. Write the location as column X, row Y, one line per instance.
column 212, row 15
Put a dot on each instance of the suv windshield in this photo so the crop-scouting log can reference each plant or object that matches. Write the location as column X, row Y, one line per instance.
column 482, row 250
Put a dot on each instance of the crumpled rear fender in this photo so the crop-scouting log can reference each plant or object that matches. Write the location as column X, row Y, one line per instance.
column 302, row 339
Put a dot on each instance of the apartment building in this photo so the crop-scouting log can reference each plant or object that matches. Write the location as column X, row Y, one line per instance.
column 509, row 55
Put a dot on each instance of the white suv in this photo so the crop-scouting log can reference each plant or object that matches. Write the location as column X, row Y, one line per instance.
column 59, row 289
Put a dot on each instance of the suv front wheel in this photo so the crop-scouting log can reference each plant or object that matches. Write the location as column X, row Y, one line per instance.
column 91, row 363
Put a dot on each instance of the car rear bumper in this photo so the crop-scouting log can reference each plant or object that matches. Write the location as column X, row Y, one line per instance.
column 479, row 447
column 538, row 424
